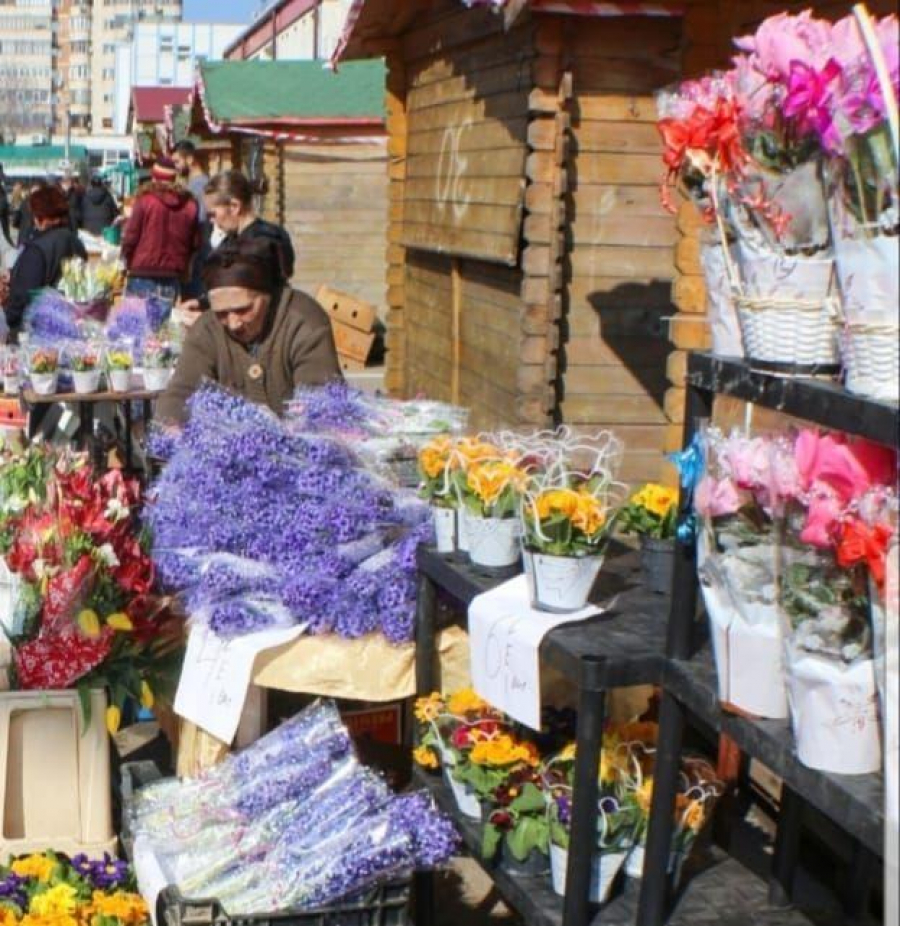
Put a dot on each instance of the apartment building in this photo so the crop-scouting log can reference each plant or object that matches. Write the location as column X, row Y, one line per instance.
column 114, row 22
column 292, row 30
column 26, row 69
column 165, row 54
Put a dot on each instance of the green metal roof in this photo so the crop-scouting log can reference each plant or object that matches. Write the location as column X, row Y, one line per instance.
column 40, row 154
column 284, row 91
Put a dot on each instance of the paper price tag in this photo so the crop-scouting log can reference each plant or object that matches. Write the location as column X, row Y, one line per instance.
column 505, row 635
column 216, row 676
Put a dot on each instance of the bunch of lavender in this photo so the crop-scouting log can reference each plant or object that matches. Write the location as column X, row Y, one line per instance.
column 334, row 408
column 134, row 320
column 333, row 545
column 50, row 318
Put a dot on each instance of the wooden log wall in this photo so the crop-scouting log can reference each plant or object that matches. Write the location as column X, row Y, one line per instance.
column 467, row 335
column 614, row 333
column 333, row 201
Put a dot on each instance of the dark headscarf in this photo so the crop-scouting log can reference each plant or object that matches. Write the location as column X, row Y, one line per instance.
column 245, row 262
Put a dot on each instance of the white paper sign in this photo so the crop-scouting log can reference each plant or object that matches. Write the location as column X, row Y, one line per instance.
column 216, row 676
column 505, row 634
column 149, row 874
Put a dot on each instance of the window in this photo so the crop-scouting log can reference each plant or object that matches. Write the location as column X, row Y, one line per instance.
column 107, row 123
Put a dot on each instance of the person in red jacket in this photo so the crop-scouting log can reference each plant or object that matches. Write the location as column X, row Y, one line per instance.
column 161, row 236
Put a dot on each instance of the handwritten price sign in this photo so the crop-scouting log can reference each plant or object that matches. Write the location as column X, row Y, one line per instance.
column 505, row 635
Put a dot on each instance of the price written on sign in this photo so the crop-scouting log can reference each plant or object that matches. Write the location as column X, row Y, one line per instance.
column 216, row 676
column 505, row 635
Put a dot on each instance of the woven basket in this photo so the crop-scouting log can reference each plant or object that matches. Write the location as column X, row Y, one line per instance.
column 794, row 334
column 871, row 355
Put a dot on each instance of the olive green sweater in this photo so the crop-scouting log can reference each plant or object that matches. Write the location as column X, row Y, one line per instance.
column 297, row 348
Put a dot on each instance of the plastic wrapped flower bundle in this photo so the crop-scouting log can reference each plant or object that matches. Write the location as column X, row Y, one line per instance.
column 83, row 613
column 257, row 527
column 332, row 835
column 48, row 889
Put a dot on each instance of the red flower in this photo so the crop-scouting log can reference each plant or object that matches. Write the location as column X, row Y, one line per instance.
column 859, row 543
column 65, row 593
column 135, row 571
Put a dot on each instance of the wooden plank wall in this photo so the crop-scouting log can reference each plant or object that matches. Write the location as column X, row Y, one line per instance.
column 466, row 106
column 614, row 336
column 333, row 201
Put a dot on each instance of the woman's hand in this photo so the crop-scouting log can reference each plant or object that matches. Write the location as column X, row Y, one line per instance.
column 187, row 311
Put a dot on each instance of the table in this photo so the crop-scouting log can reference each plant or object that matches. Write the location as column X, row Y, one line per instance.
column 86, row 403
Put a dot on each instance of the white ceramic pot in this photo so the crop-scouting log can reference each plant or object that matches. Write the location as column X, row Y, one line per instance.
column 604, row 868
column 634, row 864
column 119, row 380
column 561, row 583
column 86, row 381
column 444, row 528
column 11, row 385
column 465, row 797
column 462, row 530
column 156, row 380
column 44, row 383
column 493, row 542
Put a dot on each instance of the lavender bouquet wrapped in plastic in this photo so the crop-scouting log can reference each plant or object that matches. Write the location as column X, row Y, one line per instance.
column 324, row 543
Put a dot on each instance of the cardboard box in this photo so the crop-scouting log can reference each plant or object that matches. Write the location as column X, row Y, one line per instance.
column 351, row 342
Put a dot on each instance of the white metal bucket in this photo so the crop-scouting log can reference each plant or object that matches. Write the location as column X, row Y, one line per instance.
column 493, row 542
column 604, row 868
column 561, row 583
column 444, row 528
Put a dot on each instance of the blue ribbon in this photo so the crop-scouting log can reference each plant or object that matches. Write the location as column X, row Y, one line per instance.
column 689, row 463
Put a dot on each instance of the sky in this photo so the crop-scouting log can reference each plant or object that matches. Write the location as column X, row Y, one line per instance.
column 231, row 11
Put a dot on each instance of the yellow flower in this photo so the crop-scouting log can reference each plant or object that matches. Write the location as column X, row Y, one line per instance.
column 89, row 623
column 429, row 708
column 503, row 750
column 34, row 866
column 58, row 919
column 8, row 917
column 471, row 449
column 147, row 698
column 644, row 794
column 489, row 480
column 693, row 815
column 425, row 757
column 60, row 899
column 433, row 457
column 568, row 753
column 466, row 701
column 113, row 719
column 557, row 501
column 130, row 909
column 655, row 498
column 589, row 515
column 120, row 621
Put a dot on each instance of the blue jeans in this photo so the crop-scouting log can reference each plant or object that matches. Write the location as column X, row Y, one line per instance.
column 165, row 288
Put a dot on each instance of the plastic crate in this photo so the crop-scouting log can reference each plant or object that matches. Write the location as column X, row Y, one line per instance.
column 387, row 905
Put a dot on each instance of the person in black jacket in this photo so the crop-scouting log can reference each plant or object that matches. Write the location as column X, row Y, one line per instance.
column 232, row 218
column 5, row 211
column 98, row 206
column 41, row 260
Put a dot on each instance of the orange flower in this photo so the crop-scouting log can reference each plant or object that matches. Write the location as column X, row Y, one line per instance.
column 557, row 501
column 589, row 515
column 434, row 456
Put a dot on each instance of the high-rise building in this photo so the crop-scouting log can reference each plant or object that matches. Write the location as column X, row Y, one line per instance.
column 26, row 68
column 72, row 77
column 114, row 22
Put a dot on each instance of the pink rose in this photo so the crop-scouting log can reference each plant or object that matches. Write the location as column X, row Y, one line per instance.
column 715, row 498
column 824, row 513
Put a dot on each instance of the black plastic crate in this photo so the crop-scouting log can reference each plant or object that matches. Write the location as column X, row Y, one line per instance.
column 387, row 905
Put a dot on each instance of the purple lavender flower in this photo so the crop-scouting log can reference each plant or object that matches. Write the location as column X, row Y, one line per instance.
column 12, row 892
column 50, row 318
column 434, row 836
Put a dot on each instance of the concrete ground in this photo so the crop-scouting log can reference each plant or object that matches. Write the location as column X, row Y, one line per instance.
column 465, row 896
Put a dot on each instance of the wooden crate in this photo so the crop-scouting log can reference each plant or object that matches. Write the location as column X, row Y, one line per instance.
column 347, row 309
column 352, row 343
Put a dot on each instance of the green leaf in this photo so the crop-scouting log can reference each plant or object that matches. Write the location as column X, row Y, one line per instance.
column 529, row 833
column 490, row 841
column 84, row 699
column 531, row 799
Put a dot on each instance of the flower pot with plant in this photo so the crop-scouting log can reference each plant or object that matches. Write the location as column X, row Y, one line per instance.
column 12, row 369
column 490, row 488
column 84, row 361
column 119, row 363
column 517, row 829
column 436, row 460
column 158, row 363
column 43, row 370
column 651, row 513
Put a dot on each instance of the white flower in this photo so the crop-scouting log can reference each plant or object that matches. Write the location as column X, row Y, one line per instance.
column 107, row 555
column 116, row 510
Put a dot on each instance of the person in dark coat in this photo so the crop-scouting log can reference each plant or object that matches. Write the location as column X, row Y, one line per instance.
column 73, row 192
column 161, row 236
column 22, row 219
column 5, row 211
column 260, row 338
column 41, row 260
column 98, row 206
column 232, row 218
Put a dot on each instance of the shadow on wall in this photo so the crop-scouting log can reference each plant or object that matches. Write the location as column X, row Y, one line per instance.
column 631, row 322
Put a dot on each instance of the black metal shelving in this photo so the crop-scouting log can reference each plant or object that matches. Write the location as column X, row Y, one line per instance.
column 648, row 639
column 689, row 684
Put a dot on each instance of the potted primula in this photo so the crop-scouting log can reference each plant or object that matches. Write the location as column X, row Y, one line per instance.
column 651, row 513
column 566, row 529
column 490, row 488
column 84, row 359
column 158, row 362
column 449, row 729
column 436, row 459
column 43, row 370
column 11, row 370
column 119, row 362
column 517, row 828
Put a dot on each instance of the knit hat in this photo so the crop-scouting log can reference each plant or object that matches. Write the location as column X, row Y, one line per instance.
column 164, row 171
